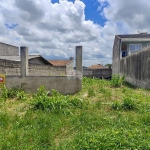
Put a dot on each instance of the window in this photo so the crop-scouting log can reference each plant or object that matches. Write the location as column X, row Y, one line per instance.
column 148, row 44
column 134, row 47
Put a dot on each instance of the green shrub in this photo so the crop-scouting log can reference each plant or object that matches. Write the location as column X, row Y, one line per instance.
column 55, row 102
column 4, row 93
column 128, row 104
column 116, row 105
column 13, row 92
column 117, row 81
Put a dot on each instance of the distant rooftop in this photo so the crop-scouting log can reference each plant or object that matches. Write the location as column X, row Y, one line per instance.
column 59, row 62
column 98, row 66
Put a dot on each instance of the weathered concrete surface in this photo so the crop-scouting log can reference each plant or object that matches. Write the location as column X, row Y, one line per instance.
column 8, row 50
column 79, row 58
column 98, row 73
column 116, row 55
column 9, row 67
column 31, row 84
column 136, row 68
column 62, row 84
column 24, row 61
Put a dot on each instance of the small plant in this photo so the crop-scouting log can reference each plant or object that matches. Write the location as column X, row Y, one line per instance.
column 128, row 104
column 55, row 102
column 21, row 95
column 117, row 81
column 13, row 92
column 116, row 105
column 91, row 92
column 4, row 93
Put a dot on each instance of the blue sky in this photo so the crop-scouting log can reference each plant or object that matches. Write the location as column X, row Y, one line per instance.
column 91, row 11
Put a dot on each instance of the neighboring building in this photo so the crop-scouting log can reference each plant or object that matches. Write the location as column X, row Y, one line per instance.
column 98, row 66
column 38, row 66
column 125, row 45
column 8, row 50
column 66, row 64
column 98, row 71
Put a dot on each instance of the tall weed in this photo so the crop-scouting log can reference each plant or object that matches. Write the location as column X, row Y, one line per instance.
column 117, row 81
column 55, row 102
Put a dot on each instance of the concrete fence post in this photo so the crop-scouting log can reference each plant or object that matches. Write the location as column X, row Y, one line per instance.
column 79, row 58
column 24, row 61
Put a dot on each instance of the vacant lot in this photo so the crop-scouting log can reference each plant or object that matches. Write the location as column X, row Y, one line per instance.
column 100, row 117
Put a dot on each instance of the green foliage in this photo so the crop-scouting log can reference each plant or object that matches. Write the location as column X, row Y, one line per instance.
column 55, row 102
column 13, row 92
column 4, row 93
column 91, row 92
column 128, row 104
column 109, row 65
column 117, row 81
column 116, row 105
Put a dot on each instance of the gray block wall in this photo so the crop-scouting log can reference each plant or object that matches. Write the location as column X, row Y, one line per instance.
column 62, row 84
column 8, row 50
column 98, row 73
column 116, row 56
column 13, row 68
column 136, row 68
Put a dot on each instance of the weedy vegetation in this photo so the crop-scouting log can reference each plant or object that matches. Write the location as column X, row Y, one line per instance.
column 105, row 115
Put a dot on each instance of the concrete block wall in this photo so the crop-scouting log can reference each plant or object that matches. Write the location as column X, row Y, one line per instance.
column 63, row 84
column 13, row 68
column 69, row 67
column 8, row 50
column 98, row 73
column 31, row 84
column 136, row 68
column 116, row 56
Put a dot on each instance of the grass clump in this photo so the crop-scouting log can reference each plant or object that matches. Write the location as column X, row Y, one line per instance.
column 91, row 92
column 13, row 92
column 117, row 81
column 127, row 103
column 55, row 102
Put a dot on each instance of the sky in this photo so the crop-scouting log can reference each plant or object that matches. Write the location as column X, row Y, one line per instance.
column 52, row 28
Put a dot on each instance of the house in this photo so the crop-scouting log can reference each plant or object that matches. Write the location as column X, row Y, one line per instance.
column 66, row 64
column 98, row 71
column 8, row 50
column 126, row 45
column 38, row 65
column 98, row 66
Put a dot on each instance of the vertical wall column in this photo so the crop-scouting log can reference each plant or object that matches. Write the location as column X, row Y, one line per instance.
column 79, row 58
column 24, row 61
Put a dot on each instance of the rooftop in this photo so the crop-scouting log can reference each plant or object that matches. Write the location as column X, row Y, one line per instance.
column 134, row 36
column 98, row 66
column 59, row 62
column 17, row 58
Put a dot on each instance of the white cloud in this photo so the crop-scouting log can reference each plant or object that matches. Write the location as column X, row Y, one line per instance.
column 55, row 29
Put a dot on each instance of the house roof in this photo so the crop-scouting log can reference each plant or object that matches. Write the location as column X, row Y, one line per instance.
column 60, row 62
column 17, row 58
column 98, row 66
column 9, row 44
column 134, row 37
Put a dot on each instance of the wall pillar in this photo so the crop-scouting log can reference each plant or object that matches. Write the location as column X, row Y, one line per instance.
column 79, row 58
column 24, row 61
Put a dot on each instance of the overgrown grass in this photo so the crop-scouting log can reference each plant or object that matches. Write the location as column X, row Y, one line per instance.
column 101, row 116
